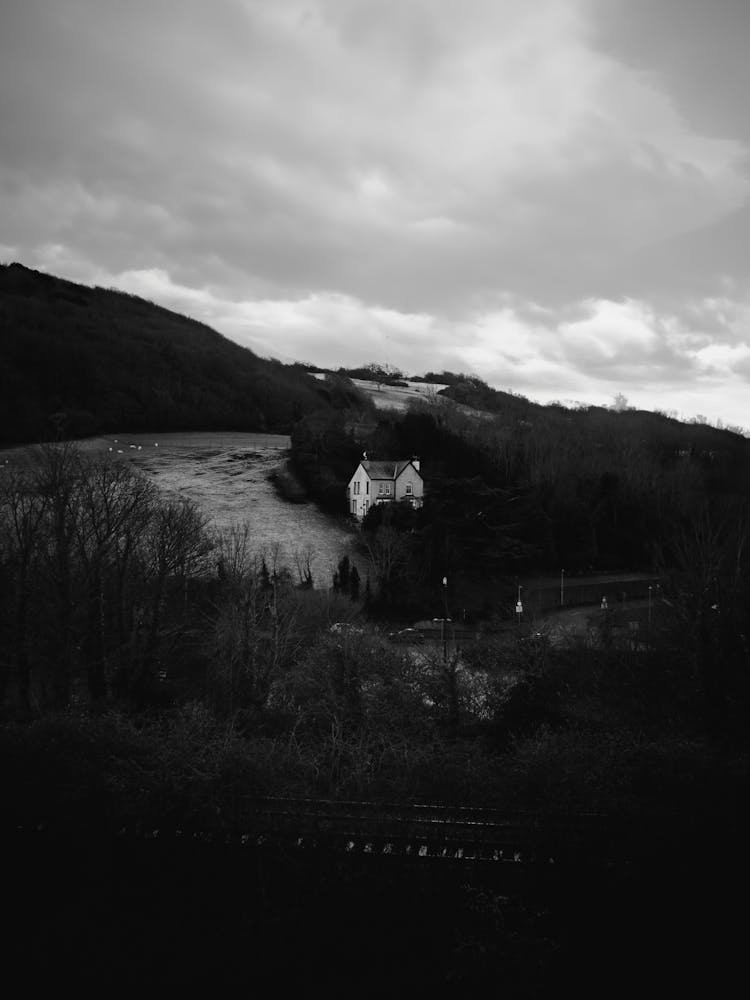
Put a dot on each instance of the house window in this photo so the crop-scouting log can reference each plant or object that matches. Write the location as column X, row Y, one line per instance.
column 388, row 488
column 356, row 488
column 381, row 489
column 409, row 489
column 367, row 486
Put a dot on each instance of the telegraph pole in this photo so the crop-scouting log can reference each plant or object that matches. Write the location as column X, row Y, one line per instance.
column 445, row 615
column 519, row 609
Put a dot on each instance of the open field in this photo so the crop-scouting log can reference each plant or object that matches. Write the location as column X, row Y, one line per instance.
column 226, row 474
column 396, row 397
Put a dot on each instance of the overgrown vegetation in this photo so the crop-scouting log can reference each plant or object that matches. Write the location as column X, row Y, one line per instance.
column 522, row 490
column 131, row 636
column 156, row 675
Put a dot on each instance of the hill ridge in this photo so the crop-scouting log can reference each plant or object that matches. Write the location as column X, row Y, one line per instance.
column 80, row 360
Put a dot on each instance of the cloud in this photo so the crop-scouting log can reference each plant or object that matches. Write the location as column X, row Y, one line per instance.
column 407, row 155
column 694, row 51
column 696, row 361
column 552, row 194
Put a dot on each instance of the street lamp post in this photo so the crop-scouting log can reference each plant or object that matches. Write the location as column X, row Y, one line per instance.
column 519, row 608
column 562, row 587
column 445, row 615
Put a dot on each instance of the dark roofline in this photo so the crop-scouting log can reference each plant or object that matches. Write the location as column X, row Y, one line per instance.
column 388, row 479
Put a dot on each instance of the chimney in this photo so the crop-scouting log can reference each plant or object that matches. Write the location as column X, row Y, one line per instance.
column 415, row 461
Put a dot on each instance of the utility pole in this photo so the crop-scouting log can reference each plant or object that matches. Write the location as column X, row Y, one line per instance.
column 445, row 616
column 519, row 609
column 562, row 587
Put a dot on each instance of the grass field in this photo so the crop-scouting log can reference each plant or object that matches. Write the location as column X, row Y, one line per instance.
column 227, row 475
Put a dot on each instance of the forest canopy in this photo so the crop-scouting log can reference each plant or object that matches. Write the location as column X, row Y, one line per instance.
column 77, row 361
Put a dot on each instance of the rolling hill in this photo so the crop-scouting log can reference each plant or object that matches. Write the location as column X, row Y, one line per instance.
column 76, row 361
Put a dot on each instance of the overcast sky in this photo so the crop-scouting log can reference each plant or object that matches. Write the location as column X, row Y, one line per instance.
column 552, row 194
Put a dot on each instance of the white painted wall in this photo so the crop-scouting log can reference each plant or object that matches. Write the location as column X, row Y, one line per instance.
column 358, row 493
column 362, row 492
column 410, row 477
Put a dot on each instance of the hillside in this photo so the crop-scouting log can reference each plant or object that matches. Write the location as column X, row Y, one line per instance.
column 515, row 488
column 76, row 361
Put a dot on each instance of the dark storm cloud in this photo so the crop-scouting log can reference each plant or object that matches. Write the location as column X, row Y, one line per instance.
column 695, row 51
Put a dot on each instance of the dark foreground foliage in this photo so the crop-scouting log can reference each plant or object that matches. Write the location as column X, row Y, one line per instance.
column 118, row 914
column 514, row 489
column 109, row 886
column 157, row 677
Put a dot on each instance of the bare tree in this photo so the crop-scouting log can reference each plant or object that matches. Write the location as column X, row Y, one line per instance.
column 389, row 553
column 22, row 513
column 92, row 556
column 175, row 545
column 116, row 505
column 236, row 557
column 55, row 471
column 620, row 403
column 256, row 628
column 710, row 593
column 303, row 559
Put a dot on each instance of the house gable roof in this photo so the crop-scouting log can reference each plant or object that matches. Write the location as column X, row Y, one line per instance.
column 385, row 470
column 403, row 466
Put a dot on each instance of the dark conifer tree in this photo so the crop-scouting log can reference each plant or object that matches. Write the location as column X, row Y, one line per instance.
column 344, row 571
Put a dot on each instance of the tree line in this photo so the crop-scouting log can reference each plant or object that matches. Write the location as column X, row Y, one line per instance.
column 525, row 489
column 124, row 617
column 176, row 671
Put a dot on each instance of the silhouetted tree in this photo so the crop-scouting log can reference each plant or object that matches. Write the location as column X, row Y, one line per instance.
column 341, row 576
column 354, row 584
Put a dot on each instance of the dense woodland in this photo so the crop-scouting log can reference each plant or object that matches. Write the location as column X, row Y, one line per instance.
column 116, row 599
column 154, row 673
column 77, row 361
column 523, row 489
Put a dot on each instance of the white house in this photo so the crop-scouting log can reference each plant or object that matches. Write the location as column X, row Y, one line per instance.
column 381, row 482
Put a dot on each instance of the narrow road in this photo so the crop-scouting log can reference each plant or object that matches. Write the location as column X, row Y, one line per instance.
column 566, row 623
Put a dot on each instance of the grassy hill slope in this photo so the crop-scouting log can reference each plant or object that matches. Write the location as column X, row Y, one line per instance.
column 76, row 361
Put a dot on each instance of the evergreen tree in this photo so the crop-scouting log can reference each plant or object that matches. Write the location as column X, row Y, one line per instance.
column 343, row 574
